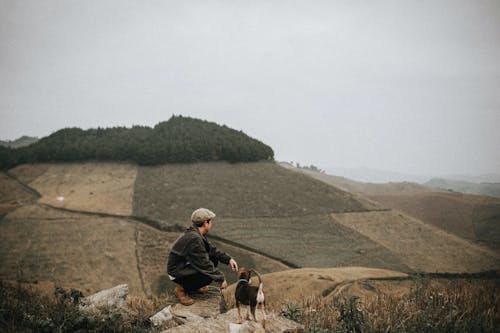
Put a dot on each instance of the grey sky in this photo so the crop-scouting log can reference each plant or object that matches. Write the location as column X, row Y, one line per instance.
column 409, row 86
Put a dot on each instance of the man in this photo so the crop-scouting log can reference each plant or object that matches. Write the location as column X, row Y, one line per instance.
column 192, row 262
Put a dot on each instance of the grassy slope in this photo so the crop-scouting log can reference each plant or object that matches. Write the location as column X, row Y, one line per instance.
column 264, row 207
column 361, row 188
column 308, row 241
column 491, row 189
column 293, row 286
column 270, row 209
column 11, row 195
column 171, row 192
column 95, row 187
column 472, row 217
column 42, row 244
column 419, row 245
column 89, row 251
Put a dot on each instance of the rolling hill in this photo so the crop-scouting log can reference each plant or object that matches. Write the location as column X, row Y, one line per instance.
column 491, row 189
column 99, row 224
column 473, row 217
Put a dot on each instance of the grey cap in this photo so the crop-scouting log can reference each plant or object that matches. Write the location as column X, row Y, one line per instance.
column 202, row 214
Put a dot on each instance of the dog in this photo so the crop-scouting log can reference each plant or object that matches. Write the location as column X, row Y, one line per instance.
column 245, row 294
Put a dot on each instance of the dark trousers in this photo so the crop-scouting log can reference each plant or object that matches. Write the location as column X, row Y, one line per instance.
column 193, row 282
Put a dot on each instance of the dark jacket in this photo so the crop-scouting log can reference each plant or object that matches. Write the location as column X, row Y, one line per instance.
column 192, row 253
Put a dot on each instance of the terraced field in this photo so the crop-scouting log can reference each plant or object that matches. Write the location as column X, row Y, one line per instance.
column 419, row 245
column 473, row 217
column 171, row 192
column 269, row 218
column 308, row 241
column 94, row 187
column 40, row 242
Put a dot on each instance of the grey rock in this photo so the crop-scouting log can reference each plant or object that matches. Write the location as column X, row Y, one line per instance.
column 206, row 305
column 227, row 322
column 162, row 316
column 106, row 301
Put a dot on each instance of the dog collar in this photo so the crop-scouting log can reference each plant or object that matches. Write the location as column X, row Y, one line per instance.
column 241, row 280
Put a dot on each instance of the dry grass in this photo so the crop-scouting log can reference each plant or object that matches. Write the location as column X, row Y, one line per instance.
column 472, row 217
column 12, row 194
column 364, row 189
column 419, row 245
column 293, row 286
column 449, row 306
column 308, row 241
column 425, row 306
column 247, row 190
column 26, row 309
column 40, row 244
column 96, row 187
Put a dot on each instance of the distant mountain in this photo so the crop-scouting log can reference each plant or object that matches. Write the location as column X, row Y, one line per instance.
column 484, row 178
column 368, row 175
column 491, row 189
column 20, row 142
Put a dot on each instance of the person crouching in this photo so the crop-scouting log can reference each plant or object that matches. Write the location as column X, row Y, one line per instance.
column 192, row 261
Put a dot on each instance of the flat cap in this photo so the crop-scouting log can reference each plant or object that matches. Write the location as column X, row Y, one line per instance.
column 202, row 214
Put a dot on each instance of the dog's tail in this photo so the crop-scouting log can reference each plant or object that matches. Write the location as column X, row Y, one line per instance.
column 258, row 275
column 260, row 292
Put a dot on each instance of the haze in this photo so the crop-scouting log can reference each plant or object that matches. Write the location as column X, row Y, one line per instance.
column 407, row 86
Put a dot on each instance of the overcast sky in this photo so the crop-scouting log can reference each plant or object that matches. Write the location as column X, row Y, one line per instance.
column 408, row 86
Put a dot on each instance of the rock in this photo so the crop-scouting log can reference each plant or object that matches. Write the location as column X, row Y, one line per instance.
column 163, row 316
column 206, row 305
column 226, row 322
column 208, row 315
column 106, row 301
column 182, row 316
column 246, row 327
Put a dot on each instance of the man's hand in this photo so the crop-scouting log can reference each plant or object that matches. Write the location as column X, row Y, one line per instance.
column 223, row 285
column 234, row 264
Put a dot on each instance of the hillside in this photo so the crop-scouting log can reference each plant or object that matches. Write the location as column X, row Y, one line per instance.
column 361, row 188
column 293, row 286
column 95, row 225
column 287, row 215
column 473, row 217
column 491, row 189
column 178, row 140
column 20, row 142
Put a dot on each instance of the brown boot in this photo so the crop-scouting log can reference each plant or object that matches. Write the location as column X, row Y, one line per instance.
column 181, row 295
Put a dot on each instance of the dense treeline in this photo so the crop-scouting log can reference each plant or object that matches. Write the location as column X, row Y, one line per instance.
column 178, row 140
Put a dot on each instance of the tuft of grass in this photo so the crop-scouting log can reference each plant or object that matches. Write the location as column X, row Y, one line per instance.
column 22, row 309
column 454, row 306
